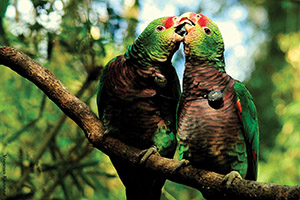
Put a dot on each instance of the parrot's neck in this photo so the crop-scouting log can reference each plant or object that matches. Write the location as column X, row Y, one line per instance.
column 201, row 77
column 146, row 66
column 144, row 58
column 215, row 60
column 137, row 57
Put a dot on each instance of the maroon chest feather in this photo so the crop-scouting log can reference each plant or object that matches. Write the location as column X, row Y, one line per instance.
column 210, row 133
column 134, row 105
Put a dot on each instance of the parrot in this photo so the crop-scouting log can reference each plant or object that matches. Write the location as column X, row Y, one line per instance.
column 217, row 118
column 137, row 101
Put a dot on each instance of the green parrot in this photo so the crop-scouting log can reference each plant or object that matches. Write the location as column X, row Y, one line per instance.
column 217, row 119
column 137, row 101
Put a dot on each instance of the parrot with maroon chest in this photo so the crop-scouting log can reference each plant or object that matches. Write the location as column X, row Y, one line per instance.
column 217, row 118
column 137, row 101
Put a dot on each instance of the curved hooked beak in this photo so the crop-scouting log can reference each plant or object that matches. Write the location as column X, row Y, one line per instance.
column 186, row 22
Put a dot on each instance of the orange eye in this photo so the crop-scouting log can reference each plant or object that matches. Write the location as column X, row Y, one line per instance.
column 207, row 30
column 160, row 28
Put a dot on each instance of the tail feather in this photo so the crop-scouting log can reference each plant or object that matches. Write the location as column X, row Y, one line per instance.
column 139, row 183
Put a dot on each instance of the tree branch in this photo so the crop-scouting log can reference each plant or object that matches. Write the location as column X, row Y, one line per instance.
column 209, row 183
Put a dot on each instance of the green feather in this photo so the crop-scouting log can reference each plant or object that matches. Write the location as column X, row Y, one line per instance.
column 250, row 123
column 100, row 89
column 203, row 47
column 164, row 140
column 152, row 46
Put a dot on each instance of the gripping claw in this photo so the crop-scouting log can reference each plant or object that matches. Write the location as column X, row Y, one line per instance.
column 145, row 154
column 228, row 178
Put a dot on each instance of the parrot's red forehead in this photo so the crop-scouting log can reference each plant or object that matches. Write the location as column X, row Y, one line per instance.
column 168, row 22
column 203, row 21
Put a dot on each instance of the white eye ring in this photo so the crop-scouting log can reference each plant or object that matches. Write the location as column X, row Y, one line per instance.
column 160, row 28
column 207, row 30
column 198, row 16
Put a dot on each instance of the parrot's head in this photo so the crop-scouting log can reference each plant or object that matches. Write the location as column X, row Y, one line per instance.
column 203, row 41
column 159, row 41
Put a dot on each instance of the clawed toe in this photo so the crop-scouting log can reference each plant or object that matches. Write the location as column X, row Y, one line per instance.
column 183, row 163
column 228, row 178
column 145, row 154
column 106, row 133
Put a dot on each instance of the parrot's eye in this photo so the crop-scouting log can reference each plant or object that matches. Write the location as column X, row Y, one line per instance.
column 198, row 16
column 160, row 28
column 207, row 30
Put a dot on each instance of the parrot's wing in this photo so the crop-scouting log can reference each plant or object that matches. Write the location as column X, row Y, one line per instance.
column 101, row 96
column 248, row 114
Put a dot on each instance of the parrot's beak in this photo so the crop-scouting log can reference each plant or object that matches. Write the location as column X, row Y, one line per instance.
column 184, row 24
column 179, row 27
column 188, row 27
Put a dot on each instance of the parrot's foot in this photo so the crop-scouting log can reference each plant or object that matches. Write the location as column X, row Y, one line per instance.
column 182, row 163
column 228, row 178
column 145, row 154
column 106, row 134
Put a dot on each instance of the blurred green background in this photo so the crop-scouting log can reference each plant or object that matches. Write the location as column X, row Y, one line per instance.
column 44, row 155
